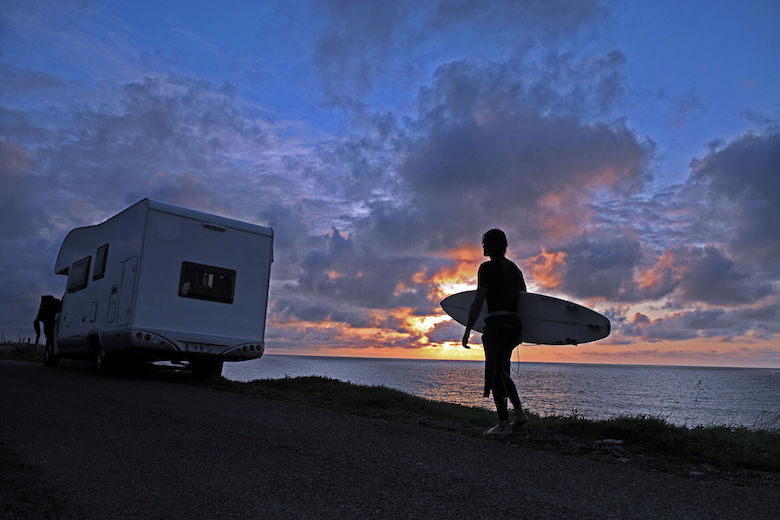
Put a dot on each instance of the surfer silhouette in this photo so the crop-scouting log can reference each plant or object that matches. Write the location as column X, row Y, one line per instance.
column 499, row 281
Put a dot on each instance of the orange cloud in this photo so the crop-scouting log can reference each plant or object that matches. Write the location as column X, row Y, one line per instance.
column 668, row 267
column 563, row 215
column 546, row 268
column 460, row 276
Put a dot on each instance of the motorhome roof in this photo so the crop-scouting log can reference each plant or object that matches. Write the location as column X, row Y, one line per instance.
column 72, row 245
column 209, row 218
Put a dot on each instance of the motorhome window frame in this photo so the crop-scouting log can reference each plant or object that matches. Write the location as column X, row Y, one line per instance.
column 100, row 266
column 210, row 269
column 77, row 285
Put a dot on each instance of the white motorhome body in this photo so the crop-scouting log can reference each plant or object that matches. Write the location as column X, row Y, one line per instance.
column 167, row 283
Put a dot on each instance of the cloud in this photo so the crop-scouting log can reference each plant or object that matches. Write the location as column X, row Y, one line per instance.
column 552, row 19
column 362, row 41
column 686, row 105
column 618, row 269
column 341, row 271
column 21, row 82
column 601, row 268
column 760, row 322
column 19, row 195
column 462, row 116
column 741, row 180
column 176, row 139
column 704, row 275
column 479, row 147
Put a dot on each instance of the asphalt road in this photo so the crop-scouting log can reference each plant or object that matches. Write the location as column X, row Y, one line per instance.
column 77, row 445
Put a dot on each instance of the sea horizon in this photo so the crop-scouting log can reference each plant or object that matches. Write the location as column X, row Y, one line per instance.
column 759, row 367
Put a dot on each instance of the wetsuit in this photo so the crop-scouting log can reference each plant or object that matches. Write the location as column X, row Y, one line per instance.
column 504, row 281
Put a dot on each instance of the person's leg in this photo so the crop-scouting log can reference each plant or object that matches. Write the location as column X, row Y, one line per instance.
column 511, row 390
column 500, row 399
column 494, row 383
column 48, row 331
column 509, row 385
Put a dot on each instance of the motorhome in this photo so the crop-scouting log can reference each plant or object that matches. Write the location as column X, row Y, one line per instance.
column 165, row 283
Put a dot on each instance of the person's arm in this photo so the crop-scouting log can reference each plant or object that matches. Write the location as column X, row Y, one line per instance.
column 476, row 306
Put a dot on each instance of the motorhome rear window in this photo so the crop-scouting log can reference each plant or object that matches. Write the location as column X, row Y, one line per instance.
column 206, row 282
column 100, row 262
column 79, row 273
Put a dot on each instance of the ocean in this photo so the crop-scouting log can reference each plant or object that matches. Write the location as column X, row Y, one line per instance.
column 686, row 396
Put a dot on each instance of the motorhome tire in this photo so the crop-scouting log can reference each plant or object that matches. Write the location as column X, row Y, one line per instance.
column 103, row 361
column 203, row 369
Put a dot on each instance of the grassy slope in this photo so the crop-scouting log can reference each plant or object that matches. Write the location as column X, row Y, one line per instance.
column 641, row 436
column 739, row 454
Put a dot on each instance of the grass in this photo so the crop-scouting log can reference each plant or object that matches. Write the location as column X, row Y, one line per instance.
column 642, row 440
column 21, row 352
column 627, row 436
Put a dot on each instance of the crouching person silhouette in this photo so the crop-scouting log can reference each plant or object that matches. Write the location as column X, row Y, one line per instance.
column 47, row 312
column 499, row 282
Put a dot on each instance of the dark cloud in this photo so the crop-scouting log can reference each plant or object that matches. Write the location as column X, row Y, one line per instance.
column 619, row 269
column 26, row 262
column 341, row 271
column 21, row 209
column 312, row 309
column 602, row 269
column 19, row 82
column 551, row 19
column 742, row 181
column 449, row 330
column 480, row 146
column 704, row 323
column 525, row 138
column 178, row 140
column 354, row 51
column 171, row 135
column 686, row 105
column 710, row 277
column 531, row 174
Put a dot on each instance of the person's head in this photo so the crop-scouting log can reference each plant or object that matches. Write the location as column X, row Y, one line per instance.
column 494, row 243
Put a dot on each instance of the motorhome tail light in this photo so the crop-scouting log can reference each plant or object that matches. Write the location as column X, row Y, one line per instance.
column 148, row 337
column 138, row 335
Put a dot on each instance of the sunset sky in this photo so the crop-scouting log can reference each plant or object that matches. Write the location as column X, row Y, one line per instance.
column 630, row 150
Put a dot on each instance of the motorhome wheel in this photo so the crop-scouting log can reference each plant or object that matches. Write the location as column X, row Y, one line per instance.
column 203, row 369
column 102, row 361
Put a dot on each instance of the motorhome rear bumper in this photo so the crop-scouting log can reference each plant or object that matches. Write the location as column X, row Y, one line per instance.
column 177, row 345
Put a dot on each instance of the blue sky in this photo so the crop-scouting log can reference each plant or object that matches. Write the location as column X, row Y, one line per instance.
column 629, row 149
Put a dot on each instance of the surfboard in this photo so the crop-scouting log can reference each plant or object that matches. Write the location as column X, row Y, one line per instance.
column 546, row 320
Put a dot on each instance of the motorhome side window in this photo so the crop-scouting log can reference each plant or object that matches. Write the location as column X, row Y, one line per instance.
column 79, row 273
column 100, row 262
column 206, row 282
